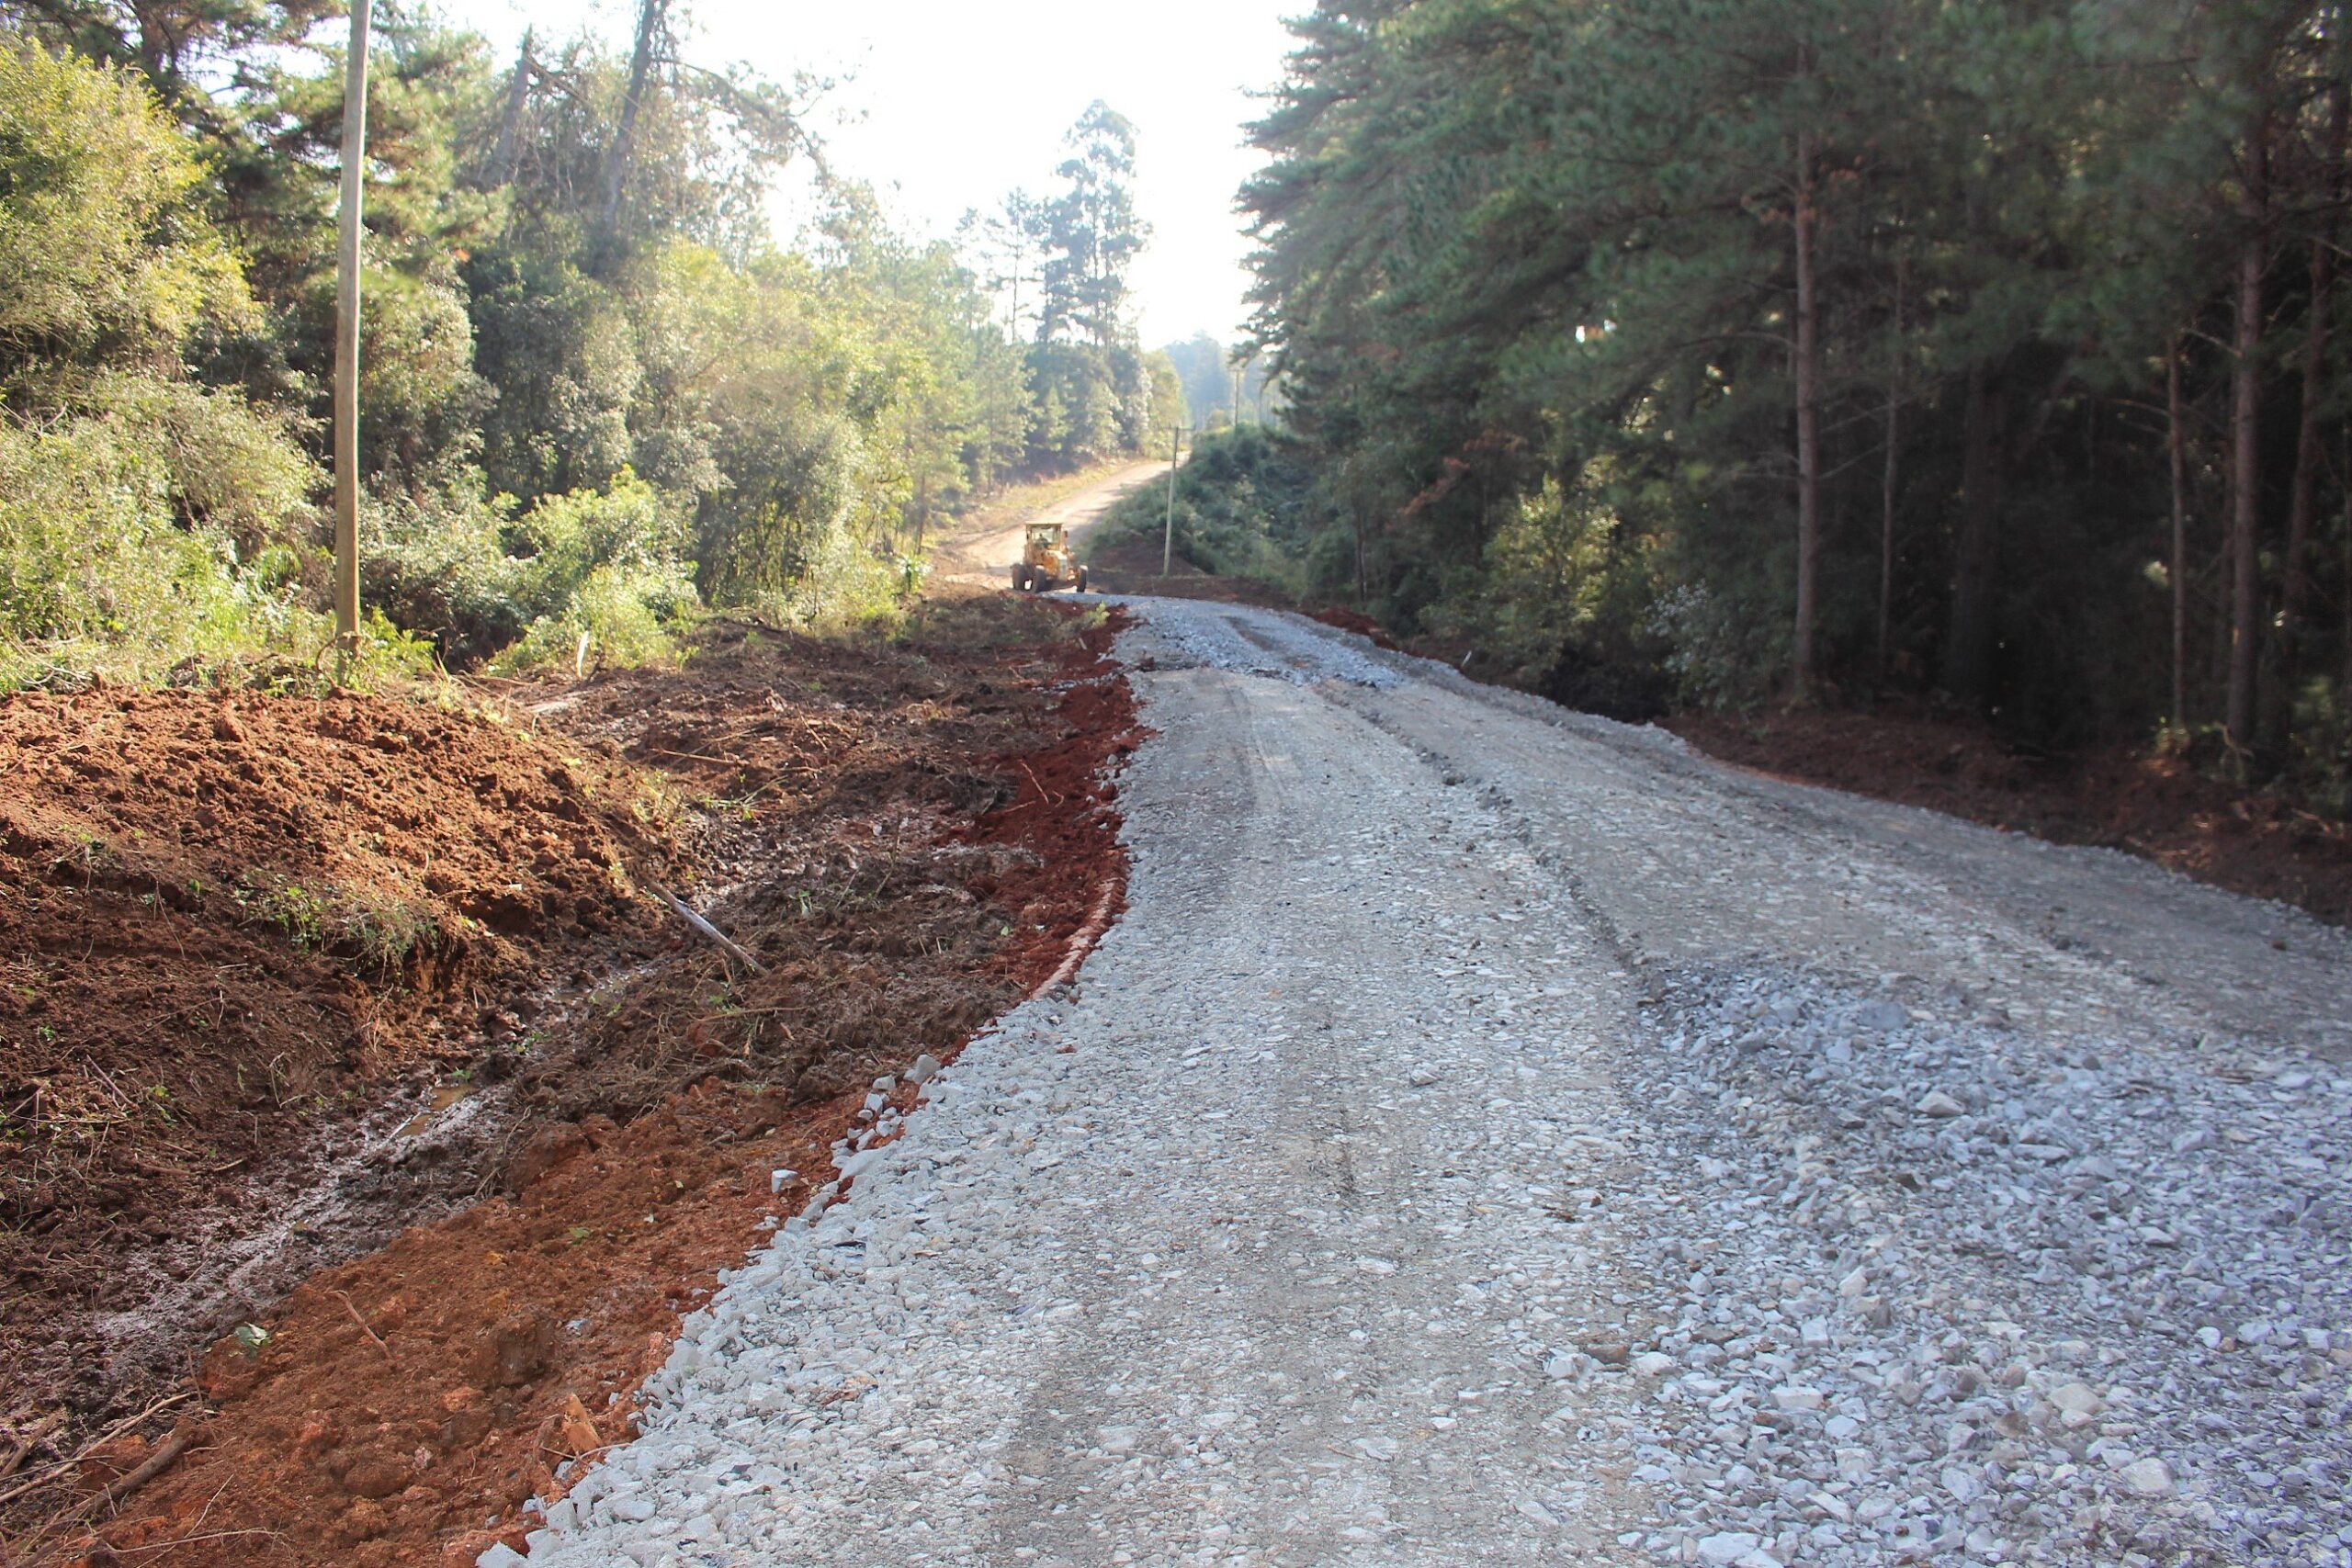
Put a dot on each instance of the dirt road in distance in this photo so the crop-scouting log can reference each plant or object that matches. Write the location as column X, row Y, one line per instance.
column 986, row 554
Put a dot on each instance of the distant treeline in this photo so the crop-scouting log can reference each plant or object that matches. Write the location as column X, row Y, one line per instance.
column 1823, row 346
column 595, row 389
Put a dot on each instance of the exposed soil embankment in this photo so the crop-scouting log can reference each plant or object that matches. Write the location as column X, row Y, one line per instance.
column 231, row 929
column 2157, row 806
column 904, row 835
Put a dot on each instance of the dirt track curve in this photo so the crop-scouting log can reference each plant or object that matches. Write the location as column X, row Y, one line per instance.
column 1498, row 1135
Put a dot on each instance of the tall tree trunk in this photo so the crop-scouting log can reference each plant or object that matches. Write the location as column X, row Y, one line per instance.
column 1808, row 393
column 1968, row 657
column 2177, row 444
column 2245, row 432
column 2303, row 502
column 510, row 122
column 1887, row 484
column 651, row 15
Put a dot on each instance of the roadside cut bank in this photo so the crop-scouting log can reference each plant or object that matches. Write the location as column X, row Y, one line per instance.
column 905, row 835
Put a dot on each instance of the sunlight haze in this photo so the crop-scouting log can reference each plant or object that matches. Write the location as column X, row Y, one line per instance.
column 945, row 107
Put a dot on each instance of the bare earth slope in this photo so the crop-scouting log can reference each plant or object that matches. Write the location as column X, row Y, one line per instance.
column 1498, row 1135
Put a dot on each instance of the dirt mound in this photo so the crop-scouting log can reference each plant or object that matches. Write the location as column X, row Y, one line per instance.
column 225, row 923
column 905, row 834
column 2157, row 806
column 1349, row 620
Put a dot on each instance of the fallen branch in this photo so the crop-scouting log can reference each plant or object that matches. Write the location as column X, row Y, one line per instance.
column 713, row 932
column 48, row 1472
column 362, row 1322
column 31, row 1440
column 157, row 1462
column 1050, row 797
column 699, row 757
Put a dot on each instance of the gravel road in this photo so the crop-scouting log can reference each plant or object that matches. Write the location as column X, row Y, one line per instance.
column 1496, row 1135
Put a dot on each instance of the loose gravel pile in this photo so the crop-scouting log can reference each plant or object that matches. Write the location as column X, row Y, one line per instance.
column 1928, row 1287
column 1388, row 1195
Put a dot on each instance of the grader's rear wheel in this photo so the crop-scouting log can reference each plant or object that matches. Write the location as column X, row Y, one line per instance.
column 1081, row 579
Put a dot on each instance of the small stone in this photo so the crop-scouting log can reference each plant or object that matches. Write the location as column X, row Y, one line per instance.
column 1422, row 1076
column 1938, row 1104
column 502, row 1555
column 2077, row 1402
column 2148, row 1478
column 779, row 1175
column 1795, row 1396
column 1653, row 1364
column 1884, row 1017
column 926, row 1069
column 1727, row 1547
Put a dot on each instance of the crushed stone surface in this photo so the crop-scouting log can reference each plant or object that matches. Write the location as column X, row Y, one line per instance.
column 1495, row 1135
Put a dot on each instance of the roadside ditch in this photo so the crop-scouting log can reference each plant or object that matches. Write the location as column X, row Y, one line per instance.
column 371, row 1119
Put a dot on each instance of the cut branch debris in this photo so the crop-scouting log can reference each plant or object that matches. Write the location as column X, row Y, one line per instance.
column 713, row 932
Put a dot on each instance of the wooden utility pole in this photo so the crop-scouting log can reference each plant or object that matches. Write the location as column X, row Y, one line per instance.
column 346, row 337
column 1176, row 434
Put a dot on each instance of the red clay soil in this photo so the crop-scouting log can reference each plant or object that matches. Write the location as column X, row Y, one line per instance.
column 2158, row 806
column 1356, row 621
column 222, row 920
column 910, row 833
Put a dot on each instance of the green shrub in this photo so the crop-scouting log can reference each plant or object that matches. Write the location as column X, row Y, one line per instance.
column 1721, row 654
column 1241, row 504
column 604, row 566
column 437, row 564
column 102, row 569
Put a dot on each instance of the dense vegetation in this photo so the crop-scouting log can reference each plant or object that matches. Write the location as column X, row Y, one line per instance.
column 1243, row 506
column 1819, row 347
column 596, row 391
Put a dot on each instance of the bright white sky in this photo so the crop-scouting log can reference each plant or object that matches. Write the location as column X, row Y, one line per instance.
column 948, row 104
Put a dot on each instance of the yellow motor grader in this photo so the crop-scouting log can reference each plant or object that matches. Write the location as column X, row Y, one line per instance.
column 1045, row 562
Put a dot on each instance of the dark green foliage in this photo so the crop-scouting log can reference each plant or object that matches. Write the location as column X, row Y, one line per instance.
column 1241, row 507
column 1530, row 270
